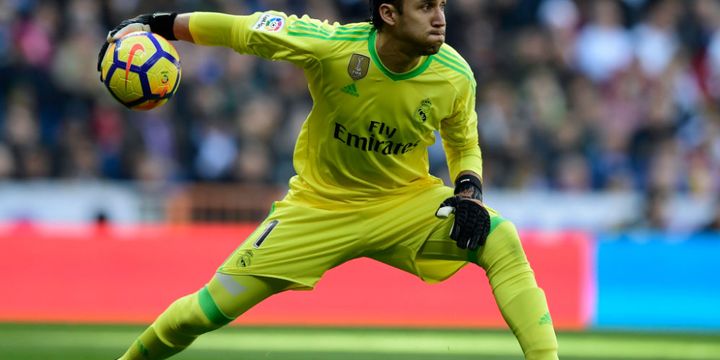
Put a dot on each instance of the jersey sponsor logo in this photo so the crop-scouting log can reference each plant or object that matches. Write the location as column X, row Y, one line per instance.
column 380, row 144
column 358, row 66
column 422, row 112
column 269, row 23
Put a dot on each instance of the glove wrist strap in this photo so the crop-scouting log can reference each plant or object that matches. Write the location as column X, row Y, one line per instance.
column 468, row 186
column 162, row 24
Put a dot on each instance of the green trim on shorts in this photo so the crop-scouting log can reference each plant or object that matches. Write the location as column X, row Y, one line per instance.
column 473, row 256
column 210, row 309
column 495, row 221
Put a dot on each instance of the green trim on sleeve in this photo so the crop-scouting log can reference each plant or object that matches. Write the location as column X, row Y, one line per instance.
column 446, row 62
column 302, row 28
column 322, row 37
column 210, row 309
column 455, row 59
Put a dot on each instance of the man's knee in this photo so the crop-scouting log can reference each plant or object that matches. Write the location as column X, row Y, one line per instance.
column 218, row 303
column 183, row 321
column 228, row 296
column 503, row 257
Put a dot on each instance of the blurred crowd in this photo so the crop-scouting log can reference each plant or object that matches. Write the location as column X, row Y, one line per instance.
column 572, row 96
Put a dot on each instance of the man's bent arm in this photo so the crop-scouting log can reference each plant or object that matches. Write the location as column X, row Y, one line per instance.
column 264, row 34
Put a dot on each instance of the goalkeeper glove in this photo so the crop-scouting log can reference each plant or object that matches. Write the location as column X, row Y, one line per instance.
column 158, row 23
column 471, row 226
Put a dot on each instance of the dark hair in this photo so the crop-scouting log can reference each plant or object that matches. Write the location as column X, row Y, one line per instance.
column 375, row 18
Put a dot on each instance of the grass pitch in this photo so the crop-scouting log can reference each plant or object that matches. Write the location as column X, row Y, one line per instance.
column 90, row 342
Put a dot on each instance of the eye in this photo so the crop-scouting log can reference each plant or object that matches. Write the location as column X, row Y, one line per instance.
column 427, row 5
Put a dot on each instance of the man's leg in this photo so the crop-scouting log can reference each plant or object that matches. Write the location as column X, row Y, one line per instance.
column 408, row 223
column 223, row 299
column 521, row 302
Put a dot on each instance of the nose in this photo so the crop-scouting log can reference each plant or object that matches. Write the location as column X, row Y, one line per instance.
column 438, row 19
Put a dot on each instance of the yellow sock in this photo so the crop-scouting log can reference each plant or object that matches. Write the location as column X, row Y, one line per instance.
column 530, row 321
column 214, row 306
column 149, row 346
column 521, row 302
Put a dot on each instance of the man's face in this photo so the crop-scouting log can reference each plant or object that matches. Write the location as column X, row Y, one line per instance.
column 422, row 24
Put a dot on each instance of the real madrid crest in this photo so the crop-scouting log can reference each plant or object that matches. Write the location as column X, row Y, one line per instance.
column 358, row 66
column 423, row 111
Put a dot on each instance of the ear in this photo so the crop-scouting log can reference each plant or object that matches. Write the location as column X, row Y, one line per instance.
column 388, row 13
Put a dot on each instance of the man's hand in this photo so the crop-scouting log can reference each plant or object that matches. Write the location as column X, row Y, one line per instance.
column 158, row 23
column 472, row 221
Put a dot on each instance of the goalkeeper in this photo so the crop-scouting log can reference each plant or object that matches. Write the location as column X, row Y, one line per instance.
column 362, row 188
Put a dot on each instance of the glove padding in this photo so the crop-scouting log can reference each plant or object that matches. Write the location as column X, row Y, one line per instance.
column 159, row 23
column 472, row 221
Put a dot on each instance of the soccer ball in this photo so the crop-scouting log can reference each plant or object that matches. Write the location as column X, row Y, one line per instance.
column 141, row 70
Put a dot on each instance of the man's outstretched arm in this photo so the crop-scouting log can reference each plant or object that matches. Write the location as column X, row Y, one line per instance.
column 264, row 34
column 171, row 26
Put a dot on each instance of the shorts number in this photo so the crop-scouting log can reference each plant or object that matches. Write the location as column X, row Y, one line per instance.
column 265, row 233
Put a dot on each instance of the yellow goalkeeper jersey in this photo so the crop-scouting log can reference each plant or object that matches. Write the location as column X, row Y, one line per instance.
column 369, row 129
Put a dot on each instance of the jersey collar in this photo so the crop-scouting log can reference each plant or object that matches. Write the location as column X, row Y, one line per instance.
column 393, row 75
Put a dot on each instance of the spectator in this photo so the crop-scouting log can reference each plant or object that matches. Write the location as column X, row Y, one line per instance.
column 654, row 207
column 656, row 40
column 604, row 46
column 572, row 95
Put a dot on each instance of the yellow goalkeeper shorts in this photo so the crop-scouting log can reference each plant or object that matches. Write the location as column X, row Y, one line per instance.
column 299, row 242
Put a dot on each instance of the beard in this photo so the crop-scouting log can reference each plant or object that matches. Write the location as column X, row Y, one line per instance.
column 419, row 43
column 425, row 47
column 431, row 50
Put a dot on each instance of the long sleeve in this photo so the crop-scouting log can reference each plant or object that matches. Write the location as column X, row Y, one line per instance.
column 271, row 35
column 460, row 135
